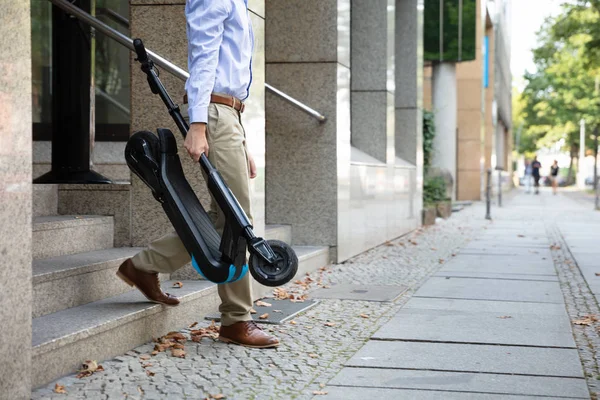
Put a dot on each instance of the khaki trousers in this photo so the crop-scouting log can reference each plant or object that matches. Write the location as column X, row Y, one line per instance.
column 227, row 152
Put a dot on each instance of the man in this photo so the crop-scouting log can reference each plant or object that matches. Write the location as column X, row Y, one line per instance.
column 535, row 171
column 220, row 43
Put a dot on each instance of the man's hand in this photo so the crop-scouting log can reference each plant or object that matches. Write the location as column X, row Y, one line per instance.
column 195, row 142
column 251, row 166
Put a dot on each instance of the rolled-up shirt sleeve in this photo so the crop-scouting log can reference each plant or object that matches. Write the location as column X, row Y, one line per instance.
column 205, row 19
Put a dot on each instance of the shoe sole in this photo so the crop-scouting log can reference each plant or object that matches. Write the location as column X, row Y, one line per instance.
column 267, row 346
column 130, row 283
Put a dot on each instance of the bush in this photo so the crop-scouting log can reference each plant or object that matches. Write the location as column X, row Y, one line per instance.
column 434, row 190
column 428, row 135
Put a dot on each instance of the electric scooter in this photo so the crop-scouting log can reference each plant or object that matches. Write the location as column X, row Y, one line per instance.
column 218, row 258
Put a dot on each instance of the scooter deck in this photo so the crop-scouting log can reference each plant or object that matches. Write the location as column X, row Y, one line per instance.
column 181, row 205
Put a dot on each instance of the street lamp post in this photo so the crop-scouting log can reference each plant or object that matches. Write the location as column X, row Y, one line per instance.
column 580, row 173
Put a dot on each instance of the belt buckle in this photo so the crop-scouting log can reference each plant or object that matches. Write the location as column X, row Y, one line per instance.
column 233, row 99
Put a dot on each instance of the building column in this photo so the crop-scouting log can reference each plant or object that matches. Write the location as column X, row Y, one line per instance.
column 372, row 94
column 308, row 57
column 15, row 200
column 409, row 81
column 444, row 100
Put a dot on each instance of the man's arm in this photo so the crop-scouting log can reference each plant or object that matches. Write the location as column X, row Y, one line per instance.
column 205, row 20
column 205, row 33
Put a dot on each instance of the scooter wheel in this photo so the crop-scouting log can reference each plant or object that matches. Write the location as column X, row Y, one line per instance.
column 281, row 272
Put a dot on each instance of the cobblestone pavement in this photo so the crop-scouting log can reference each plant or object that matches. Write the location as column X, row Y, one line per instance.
column 311, row 352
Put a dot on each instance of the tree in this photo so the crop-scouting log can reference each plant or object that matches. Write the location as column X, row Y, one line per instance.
column 561, row 92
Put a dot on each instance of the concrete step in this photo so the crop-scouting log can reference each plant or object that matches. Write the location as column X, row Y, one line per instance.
column 59, row 235
column 45, row 200
column 68, row 281
column 279, row 232
column 106, row 328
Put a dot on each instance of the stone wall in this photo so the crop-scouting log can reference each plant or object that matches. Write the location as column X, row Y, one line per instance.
column 15, row 201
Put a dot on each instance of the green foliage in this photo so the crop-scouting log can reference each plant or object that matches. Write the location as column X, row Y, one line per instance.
column 428, row 135
column 561, row 92
column 434, row 190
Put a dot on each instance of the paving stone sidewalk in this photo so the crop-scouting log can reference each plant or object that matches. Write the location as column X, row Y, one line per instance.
column 311, row 353
column 483, row 317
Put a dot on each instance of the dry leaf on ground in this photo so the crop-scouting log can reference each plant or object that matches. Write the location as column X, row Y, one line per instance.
column 178, row 285
column 293, row 322
column 520, row 235
column 329, row 323
column 252, row 311
column 313, row 355
column 217, row 396
column 389, row 244
column 364, row 316
column 441, row 260
column 262, row 304
column 144, row 357
column 277, row 311
column 175, row 336
column 264, row 316
column 150, row 373
column 178, row 353
column 505, row 317
column 59, row 389
column 587, row 320
column 320, row 393
column 597, row 273
column 555, row 247
column 88, row 368
column 193, row 325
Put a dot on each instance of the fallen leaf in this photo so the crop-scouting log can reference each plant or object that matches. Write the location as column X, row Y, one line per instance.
column 155, row 352
column 193, row 325
column 252, row 311
column 59, row 389
column 146, row 365
column 264, row 316
column 262, row 304
column 293, row 322
column 313, row 355
column 178, row 353
column 389, row 244
column 505, row 317
column 178, row 285
column 441, row 260
column 364, row 316
column 277, row 311
column 88, row 368
column 520, row 235
column 453, row 254
column 298, row 282
column 433, row 248
column 587, row 320
column 175, row 336
column 555, row 247
column 325, row 286
column 329, row 323
column 178, row 346
column 597, row 273
column 319, row 393
column 144, row 357
column 150, row 373
column 321, row 385
column 217, row 396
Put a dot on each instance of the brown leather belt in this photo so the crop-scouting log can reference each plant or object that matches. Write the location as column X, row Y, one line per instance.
column 230, row 101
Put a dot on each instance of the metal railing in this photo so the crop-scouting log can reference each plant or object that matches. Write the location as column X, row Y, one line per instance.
column 112, row 15
column 161, row 61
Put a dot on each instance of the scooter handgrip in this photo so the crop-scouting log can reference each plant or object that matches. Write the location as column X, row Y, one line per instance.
column 140, row 50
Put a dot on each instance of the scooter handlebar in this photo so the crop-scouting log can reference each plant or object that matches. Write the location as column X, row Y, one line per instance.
column 140, row 50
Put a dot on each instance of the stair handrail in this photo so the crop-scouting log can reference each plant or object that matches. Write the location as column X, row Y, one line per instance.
column 167, row 65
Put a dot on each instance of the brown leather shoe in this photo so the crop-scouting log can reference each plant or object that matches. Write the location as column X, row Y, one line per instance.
column 146, row 282
column 247, row 333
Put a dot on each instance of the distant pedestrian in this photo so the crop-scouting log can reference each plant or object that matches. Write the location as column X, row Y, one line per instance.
column 554, row 176
column 527, row 176
column 535, row 172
